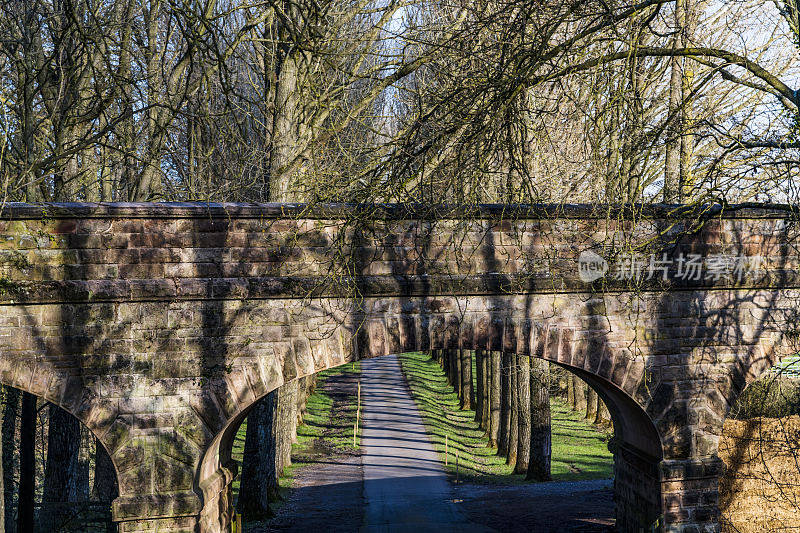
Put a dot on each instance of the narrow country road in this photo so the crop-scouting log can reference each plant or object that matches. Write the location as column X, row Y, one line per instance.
column 396, row 483
column 405, row 489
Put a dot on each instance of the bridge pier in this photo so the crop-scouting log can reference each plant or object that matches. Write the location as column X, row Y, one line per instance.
column 673, row 496
column 636, row 489
column 179, row 511
column 690, row 494
column 166, row 512
column 217, row 513
column 156, row 442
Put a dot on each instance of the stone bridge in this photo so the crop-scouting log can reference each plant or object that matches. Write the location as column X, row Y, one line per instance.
column 160, row 325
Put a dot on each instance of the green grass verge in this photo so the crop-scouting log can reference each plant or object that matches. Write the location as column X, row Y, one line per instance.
column 326, row 429
column 579, row 449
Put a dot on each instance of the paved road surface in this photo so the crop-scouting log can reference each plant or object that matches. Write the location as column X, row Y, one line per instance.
column 397, row 485
column 554, row 507
column 405, row 489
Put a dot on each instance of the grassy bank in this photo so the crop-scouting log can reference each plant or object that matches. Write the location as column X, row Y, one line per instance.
column 327, row 426
column 580, row 451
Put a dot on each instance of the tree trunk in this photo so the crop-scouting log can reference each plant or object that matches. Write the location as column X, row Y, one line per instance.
column 687, row 26
column 309, row 385
column 513, row 427
column 591, row 404
column 303, row 392
column 285, row 426
column 105, row 488
column 258, row 477
column 603, row 417
column 562, row 391
column 9, row 429
column 676, row 114
column 285, row 134
column 506, row 405
column 479, row 403
column 580, row 393
column 455, row 370
column 524, row 409
column 570, row 391
column 486, row 379
column 27, row 464
column 466, row 379
column 447, row 366
column 105, row 478
column 61, row 473
column 293, row 415
column 495, row 368
column 301, row 400
column 539, row 461
column 82, row 476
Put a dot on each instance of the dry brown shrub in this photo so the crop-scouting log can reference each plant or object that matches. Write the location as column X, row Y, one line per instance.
column 760, row 490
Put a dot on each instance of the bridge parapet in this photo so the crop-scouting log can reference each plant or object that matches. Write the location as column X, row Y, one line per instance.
column 133, row 252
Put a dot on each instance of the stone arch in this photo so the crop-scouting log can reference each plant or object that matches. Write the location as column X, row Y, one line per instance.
column 216, row 473
column 616, row 377
column 81, row 398
column 66, row 391
column 69, row 395
column 44, row 354
column 638, row 454
column 753, row 363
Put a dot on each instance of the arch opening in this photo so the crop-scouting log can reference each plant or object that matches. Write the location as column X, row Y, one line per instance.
column 637, row 455
column 57, row 475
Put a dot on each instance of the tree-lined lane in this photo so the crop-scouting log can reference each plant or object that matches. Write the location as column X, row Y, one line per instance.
column 405, row 488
